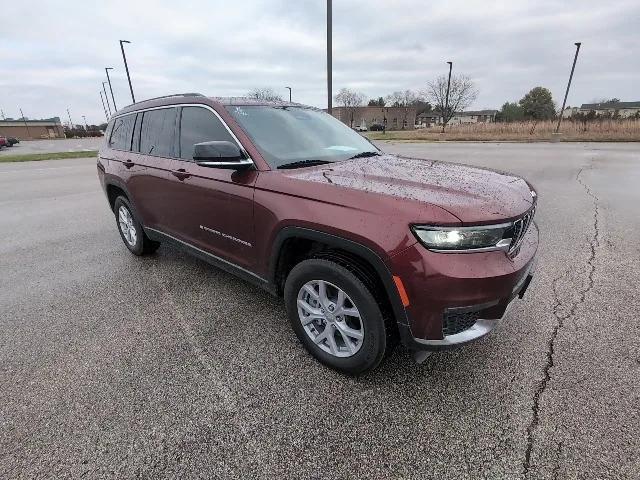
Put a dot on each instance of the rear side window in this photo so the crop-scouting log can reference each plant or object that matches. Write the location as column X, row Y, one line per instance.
column 121, row 133
column 199, row 125
column 157, row 134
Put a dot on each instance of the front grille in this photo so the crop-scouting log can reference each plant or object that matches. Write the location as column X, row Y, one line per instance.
column 453, row 322
column 519, row 230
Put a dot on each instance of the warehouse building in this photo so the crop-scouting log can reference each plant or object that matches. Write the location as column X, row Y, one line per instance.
column 32, row 129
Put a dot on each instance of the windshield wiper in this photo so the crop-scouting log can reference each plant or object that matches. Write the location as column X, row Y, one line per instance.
column 303, row 163
column 365, row 154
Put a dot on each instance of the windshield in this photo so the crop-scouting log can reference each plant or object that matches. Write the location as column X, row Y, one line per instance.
column 299, row 136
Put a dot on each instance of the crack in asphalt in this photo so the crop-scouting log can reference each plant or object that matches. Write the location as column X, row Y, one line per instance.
column 587, row 285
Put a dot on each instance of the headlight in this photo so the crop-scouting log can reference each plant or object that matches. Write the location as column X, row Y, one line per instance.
column 486, row 237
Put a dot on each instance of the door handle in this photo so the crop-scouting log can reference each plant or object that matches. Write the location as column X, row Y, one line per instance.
column 181, row 174
column 128, row 164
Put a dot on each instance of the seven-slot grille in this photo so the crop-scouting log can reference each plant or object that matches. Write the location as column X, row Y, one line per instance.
column 519, row 229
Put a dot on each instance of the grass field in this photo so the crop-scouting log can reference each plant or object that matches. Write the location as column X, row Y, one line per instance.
column 34, row 157
column 596, row 131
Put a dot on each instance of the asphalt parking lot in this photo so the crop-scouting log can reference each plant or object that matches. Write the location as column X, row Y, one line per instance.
column 52, row 146
column 113, row 366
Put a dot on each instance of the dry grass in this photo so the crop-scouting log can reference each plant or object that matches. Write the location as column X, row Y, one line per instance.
column 596, row 131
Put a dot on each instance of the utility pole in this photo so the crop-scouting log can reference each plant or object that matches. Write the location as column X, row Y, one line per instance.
column 25, row 123
column 106, row 69
column 566, row 94
column 106, row 96
column 289, row 93
column 104, row 107
column 329, row 58
column 446, row 108
column 70, row 122
column 126, row 67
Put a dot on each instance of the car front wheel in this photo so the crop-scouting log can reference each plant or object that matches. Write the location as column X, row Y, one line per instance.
column 335, row 316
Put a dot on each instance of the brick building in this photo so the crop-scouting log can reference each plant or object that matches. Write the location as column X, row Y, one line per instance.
column 398, row 118
column 32, row 129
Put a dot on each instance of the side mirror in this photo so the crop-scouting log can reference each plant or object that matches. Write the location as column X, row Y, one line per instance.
column 220, row 154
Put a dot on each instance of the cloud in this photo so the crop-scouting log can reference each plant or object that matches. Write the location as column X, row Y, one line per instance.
column 55, row 59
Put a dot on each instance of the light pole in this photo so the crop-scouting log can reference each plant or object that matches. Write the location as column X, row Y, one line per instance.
column 70, row 122
column 106, row 69
column 106, row 97
column 446, row 107
column 289, row 93
column 126, row 67
column 25, row 124
column 86, row 127
column 104, row 106
column 329, row 55
column 566, row 94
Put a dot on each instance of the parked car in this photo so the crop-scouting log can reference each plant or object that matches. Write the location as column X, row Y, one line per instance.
column 360, row 128
column 376, row 127
column 365, row 247
column 12, row 141
column 3, row 141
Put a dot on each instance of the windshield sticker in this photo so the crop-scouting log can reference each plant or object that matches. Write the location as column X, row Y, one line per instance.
column 341, row 148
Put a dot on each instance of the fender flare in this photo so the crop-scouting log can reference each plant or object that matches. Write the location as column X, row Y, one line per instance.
column 342, row 243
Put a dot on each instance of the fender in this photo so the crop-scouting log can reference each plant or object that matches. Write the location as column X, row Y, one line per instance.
column 363, row 251
column 114, row 181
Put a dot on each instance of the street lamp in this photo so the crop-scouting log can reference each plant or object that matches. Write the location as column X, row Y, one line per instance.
column 70, row 122
column 446, row 108
column 104, row 107
column 106, row 69
column 566, row 94
column 86, row 127
column 126, row 67
column 106, row 97
column 289, row 93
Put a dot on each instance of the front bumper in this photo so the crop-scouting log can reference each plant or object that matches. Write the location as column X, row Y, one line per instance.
column 445, row 286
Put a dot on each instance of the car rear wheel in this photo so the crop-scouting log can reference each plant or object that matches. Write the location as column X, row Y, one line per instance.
column 131, row 230
column 335, row 316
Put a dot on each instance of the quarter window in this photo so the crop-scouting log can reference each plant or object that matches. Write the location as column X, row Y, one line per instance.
column 199, row 125
column 157, row 134
column 121, row 133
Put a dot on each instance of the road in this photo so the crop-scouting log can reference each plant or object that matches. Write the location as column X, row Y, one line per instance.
column 113, row 366
column 51, row 146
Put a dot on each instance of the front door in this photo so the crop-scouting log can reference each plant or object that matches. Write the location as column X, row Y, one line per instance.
column 212, row 208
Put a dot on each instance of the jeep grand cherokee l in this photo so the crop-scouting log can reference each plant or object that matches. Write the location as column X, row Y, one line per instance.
column 365, row 247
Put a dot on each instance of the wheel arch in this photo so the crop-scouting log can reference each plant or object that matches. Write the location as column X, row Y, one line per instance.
column 339, row 249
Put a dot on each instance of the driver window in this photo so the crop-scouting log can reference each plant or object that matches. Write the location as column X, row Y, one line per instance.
column 198, row 125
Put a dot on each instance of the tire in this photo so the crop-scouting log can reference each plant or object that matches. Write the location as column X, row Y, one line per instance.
column 360, row 355
column 131, row 230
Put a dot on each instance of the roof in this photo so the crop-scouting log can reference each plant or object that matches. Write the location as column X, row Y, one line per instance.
column 180, row 98
column 609, row 106
column 18, row 122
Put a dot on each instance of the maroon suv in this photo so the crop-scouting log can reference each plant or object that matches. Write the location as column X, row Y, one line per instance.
column 365, row 247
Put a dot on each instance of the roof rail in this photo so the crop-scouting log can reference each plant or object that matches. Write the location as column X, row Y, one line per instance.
column 188, row 94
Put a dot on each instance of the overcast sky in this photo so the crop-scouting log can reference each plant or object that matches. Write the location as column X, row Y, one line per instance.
column 53, row 53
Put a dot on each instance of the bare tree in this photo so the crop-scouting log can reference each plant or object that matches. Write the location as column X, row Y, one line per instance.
column 350, row 100
column 462, row 93
column 264, row 93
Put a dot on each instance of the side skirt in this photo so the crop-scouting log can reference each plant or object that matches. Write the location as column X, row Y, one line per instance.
column 214, row 260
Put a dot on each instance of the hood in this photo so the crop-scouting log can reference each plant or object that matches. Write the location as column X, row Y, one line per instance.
column 474, row 195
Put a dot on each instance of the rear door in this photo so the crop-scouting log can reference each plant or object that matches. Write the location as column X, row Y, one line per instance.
column 153, row 148
column 211, row 208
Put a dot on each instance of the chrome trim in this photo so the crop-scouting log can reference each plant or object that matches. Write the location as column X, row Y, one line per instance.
column 224, row 164
column 208, row 254
column 176, row 105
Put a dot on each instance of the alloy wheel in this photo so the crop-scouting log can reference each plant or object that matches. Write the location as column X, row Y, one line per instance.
column 330, row 318
column 127, row 227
